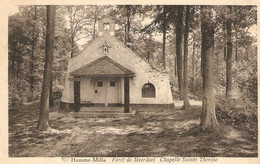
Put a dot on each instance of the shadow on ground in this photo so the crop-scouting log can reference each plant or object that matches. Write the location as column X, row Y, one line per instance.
column 146, row 135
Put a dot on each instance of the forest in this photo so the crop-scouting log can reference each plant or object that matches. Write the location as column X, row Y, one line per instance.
column 210, row 53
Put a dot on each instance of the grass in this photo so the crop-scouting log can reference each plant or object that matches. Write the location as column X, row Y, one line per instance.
column 176, row 134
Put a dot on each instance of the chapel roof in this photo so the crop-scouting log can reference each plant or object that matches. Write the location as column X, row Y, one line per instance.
column 103, row 66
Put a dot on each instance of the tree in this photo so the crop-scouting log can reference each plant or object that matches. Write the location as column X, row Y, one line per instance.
column 185, row 71
column 128, row 24
column 179, row 34
column 193, row 62
column 164, row 35
column 51, row 100
column 34, row 40
column 49, row 48
column 124, row 15
column 18, row 44
column 163, row 16
column 235, row 22
column 149, row 47
column 229, row 54
column 242, row 17
column 77, row 18
column 208, row 117
column 25, row 42
column 94, row 12
column 194, row 28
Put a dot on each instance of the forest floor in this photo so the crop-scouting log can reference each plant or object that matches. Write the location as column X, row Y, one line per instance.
column 145, row 134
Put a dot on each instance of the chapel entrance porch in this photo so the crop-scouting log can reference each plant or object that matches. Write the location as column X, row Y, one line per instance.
column 104, row 92
column 104, row 82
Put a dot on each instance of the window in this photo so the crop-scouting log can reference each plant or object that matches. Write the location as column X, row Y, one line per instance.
column 148, row 90
column 105, row 49
column 106, row 26
column 100, row 84
column 112, row 83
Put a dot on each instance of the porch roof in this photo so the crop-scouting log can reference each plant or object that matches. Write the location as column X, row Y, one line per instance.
column 103, row 66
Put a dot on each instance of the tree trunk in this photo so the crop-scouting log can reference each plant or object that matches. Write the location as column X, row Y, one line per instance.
column 208, row 117
column 193, row 64
column 225, row 52
column 185, row 72
column 11, row 72
column 128, row 8
column 125, row 34
column 94, row 31
column 44, row 105
column 18, row 69
column 178, row 32
column 164, row 37
column 236, row 49
column 175, row 66
column 95, row 21
column 72, row 47
column 229, row 57
column 33, row 51
column 236, row 52
column 164, row 42
column 51, row 102
column 247, row 57
column 217, row 66
column 148, row 57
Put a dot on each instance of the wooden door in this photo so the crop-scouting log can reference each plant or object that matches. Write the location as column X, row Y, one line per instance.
column 99, row 91
column 112, row 91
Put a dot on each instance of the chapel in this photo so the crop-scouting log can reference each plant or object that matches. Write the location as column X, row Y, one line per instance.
column 108, row 73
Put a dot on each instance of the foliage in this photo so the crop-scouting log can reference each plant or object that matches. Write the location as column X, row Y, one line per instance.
column 246, row 79
column 80, row 24
column 163, row 16
column 243, row 117
column 129, row 20
column 25, row 54
column 22, row 64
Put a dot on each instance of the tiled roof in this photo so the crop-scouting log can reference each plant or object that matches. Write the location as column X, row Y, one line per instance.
column 103, row 66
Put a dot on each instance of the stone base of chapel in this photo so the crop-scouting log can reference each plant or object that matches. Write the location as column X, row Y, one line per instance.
column 69, row 107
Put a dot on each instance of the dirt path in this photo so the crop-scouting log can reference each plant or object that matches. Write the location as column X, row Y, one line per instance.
column 141, row 135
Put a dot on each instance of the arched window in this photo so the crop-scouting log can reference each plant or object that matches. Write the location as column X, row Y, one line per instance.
column 148, row 90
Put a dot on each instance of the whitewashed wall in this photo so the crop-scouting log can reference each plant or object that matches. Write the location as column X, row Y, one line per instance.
column 127, row 58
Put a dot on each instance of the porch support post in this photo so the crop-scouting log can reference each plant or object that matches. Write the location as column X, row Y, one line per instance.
column 126, row 93
column 77, row 96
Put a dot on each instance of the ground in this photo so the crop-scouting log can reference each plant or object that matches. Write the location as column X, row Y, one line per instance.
column 146, row 134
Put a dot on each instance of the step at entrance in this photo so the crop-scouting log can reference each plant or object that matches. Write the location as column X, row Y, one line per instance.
column 102, row 109
column 88, row 112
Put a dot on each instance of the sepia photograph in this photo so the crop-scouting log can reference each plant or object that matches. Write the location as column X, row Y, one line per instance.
column 150, row 81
